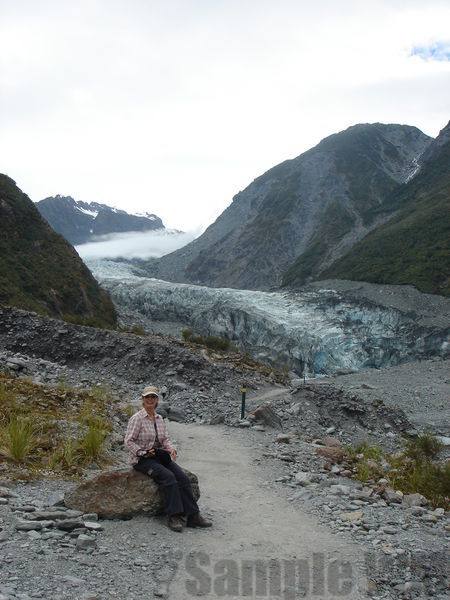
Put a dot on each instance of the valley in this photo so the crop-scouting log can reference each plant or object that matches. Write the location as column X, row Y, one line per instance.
column 323, row 329
column 327, row 277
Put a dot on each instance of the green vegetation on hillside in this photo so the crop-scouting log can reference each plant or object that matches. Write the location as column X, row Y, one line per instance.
column 412, row 247
column 46, row 431
column 39, row 270
column 417, row 469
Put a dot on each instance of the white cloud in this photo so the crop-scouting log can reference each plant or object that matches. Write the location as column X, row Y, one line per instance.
column 135, row 244
column 173, row 107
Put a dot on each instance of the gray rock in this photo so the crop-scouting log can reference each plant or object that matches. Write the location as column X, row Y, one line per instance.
column 93, row 526
column 418, row 510
column 90, row 517
column 53, row 515
column 7, row 493
column 302, row 478
column 217, row 419
column 340, row 490
column 392, row 497
column 414, row 500
column 84, row 542
column 176, row 414
column 445, row 441
column 390, row 530
column 72, row 580
column 429, row 518
column 28, row 525
column 4, row 535
column 69, row 524
column 179, row 386
column 56, row 499
column 266, row 414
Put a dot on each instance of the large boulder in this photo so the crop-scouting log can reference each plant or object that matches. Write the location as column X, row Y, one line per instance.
column 121, row 493
column 265, row 414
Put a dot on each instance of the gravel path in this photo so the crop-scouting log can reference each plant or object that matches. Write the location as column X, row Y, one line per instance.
column 252, row 522
column 142, row 558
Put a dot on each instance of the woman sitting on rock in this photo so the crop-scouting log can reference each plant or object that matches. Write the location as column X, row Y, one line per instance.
column 151, row 452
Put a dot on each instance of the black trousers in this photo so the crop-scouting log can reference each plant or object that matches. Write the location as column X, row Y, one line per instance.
column 176, row 486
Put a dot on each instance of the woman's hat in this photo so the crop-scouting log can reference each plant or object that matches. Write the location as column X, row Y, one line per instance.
column 150, row 389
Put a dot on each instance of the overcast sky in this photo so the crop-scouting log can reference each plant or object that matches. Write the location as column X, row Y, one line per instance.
column 173, row 106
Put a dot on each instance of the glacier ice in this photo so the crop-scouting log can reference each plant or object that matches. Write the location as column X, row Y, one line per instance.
column 310, row 332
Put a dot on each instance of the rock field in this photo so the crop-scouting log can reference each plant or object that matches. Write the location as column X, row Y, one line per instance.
column 291, row 438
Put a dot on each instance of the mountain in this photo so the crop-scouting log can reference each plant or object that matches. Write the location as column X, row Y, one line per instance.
column 39, row 269
column 80, row 222
column 413, row 246
column 293, row 222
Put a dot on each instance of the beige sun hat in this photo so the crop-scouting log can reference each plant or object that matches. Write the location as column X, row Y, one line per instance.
column 150, row 389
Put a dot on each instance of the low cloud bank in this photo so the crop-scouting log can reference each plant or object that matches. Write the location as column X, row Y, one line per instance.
column 136, row 244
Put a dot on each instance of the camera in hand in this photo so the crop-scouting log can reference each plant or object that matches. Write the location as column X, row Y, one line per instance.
column 162, row 456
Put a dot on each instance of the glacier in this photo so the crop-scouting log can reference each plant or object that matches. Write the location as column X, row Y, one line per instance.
column 309, row 332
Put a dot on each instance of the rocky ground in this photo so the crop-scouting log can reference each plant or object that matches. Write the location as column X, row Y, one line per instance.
column 398, row 543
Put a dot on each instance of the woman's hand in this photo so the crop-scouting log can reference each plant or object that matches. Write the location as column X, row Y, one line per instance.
column 146, row 453
column 173, row 454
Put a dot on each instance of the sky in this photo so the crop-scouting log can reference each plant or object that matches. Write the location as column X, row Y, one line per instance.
column 172, row 107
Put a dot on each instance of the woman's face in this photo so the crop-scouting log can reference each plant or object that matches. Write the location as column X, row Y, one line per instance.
column 150, row 402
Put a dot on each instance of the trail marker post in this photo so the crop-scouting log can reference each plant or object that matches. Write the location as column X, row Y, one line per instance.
column 244, row 391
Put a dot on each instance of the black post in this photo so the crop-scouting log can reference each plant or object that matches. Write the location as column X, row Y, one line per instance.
column 244, row 391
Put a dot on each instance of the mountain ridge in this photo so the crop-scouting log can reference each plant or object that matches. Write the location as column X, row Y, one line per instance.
column 413, row 246
column 81, row 222
column 315, row 206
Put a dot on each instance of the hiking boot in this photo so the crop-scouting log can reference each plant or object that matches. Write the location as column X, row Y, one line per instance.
column 197, row 521
column 175, row 524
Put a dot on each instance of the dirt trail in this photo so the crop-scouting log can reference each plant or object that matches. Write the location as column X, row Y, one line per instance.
column 253, row 522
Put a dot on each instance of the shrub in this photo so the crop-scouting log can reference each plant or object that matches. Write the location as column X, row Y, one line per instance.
column 67, row 456
column 187, row 334
column 138, row 330
column 101, row 393
column 19, row 438
column 414, row 470
column 91, row 445
column 210, row 341
column 374, row 452
column 220, row 344
column 426, row 447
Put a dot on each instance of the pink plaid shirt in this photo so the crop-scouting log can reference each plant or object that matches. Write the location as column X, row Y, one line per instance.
column 140, row 434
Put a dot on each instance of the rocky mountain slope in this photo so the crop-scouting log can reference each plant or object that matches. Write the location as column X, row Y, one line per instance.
column 39, row 270
column 413, row 246
column 80, row 222
column 309, row 211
